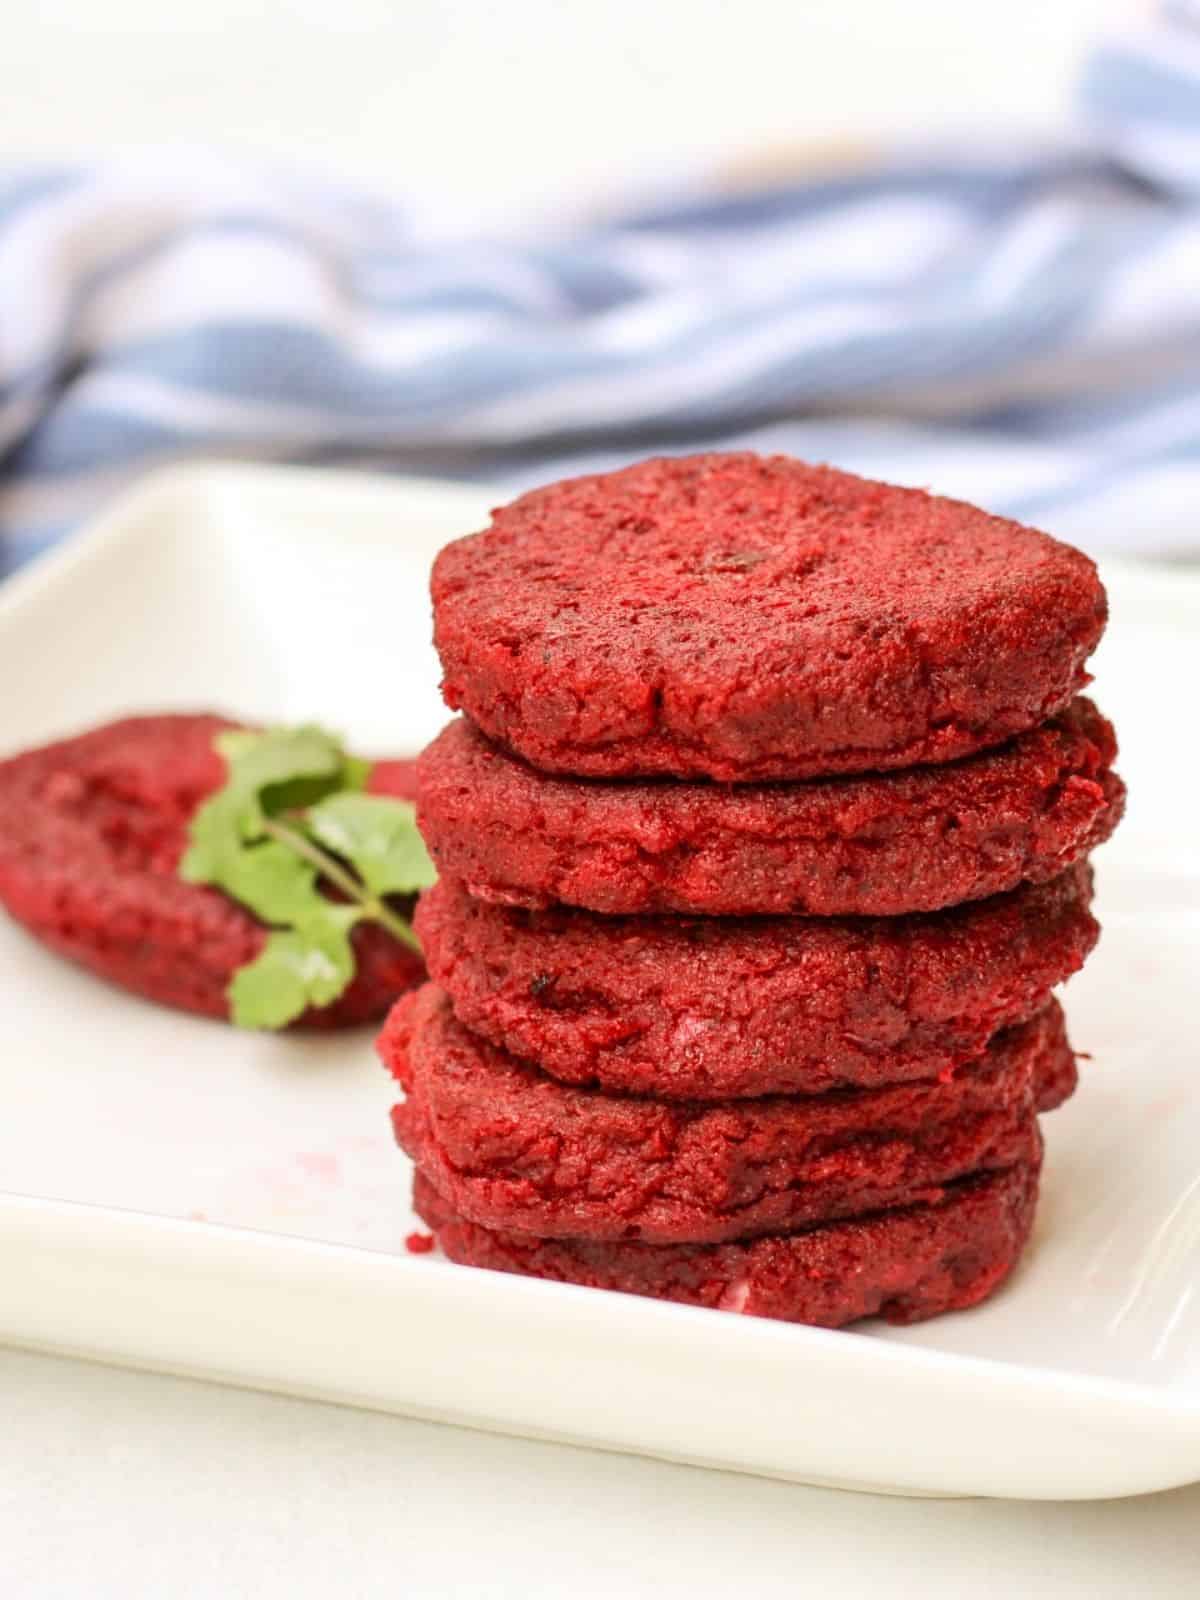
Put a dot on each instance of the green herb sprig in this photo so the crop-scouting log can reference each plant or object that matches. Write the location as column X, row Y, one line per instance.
column 292, row 818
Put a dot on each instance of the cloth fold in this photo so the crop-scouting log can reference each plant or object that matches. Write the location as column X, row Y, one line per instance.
column 1018, row 325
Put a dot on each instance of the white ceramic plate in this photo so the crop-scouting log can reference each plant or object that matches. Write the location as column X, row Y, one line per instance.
column 184, row 1197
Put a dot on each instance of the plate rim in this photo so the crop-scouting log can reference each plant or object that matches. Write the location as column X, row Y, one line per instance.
column 1177, row 1404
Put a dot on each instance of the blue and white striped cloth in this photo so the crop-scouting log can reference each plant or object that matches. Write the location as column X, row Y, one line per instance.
column 1020, row 326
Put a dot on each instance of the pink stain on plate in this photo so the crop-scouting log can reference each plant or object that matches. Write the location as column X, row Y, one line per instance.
column 320, row 1165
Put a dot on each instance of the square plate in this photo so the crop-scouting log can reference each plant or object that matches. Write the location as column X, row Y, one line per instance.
column 182, row 1197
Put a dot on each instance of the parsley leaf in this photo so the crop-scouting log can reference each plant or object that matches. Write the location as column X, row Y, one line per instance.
column 272, row 881
column 296, row 968
column 267, row 772
column 378, row 837
column 355, row 772
column 291, row 824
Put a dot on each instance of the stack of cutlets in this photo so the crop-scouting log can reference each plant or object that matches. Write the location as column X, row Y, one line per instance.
column 763, row 844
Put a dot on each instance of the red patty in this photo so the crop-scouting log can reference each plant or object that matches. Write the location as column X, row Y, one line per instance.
column 739, row 617
column 91, row 832
column 903, row 1265
column 511, row 1148
column 880, row 845
column 714, row 1008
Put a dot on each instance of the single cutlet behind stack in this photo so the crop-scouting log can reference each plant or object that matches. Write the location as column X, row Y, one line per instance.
column 763, row 844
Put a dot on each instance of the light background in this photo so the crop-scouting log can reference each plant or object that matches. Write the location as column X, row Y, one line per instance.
column 136, row 1488
column 504, row 100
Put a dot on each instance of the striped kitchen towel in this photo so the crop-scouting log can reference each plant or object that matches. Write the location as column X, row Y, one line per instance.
column 1018, row 325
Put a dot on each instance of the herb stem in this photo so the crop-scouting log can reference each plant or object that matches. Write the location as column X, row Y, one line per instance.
column 333, row 870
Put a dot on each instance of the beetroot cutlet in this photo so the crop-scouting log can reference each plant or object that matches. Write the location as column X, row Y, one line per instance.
column 91, row 833
column 714, row 1008
column 511, row 1148
column 879, row 845
column 903, row 1265
column 739, row 617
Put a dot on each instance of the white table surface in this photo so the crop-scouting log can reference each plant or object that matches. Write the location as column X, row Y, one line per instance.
column 123, row 1486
